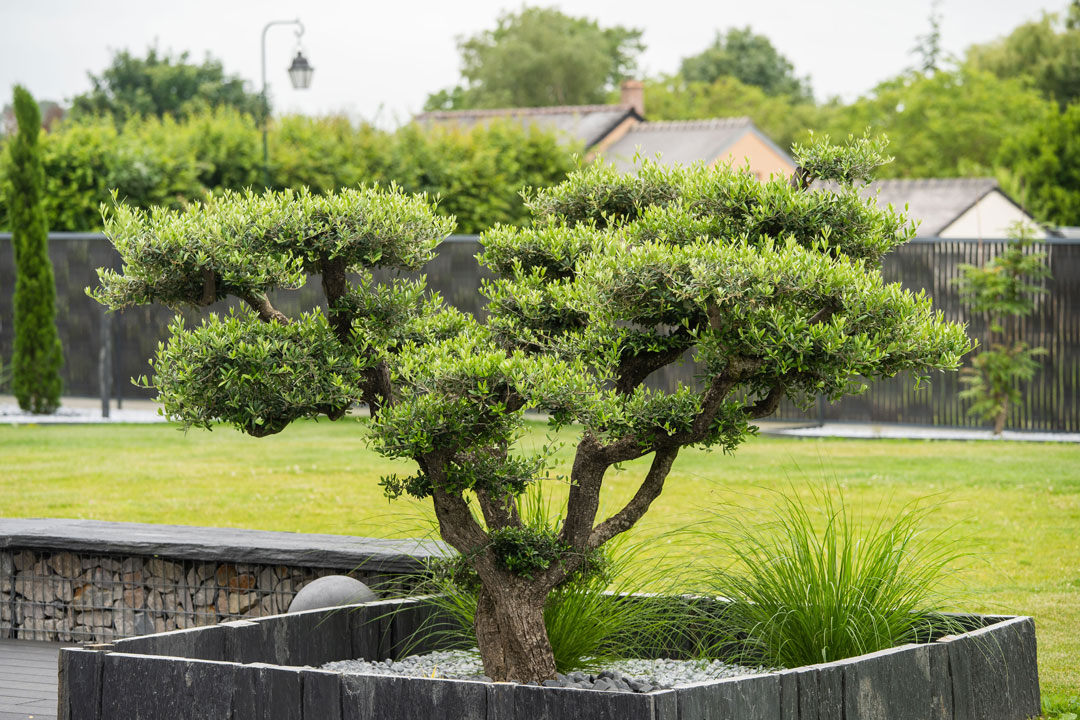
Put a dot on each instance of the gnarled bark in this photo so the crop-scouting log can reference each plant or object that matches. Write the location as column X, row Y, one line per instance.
column 511, row 635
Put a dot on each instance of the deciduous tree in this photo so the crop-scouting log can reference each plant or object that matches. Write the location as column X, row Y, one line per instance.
column 1044, row 164
column 1045, row 52
column 750, row 58
column 949, row 122
column 163, row 84
column 539, row 57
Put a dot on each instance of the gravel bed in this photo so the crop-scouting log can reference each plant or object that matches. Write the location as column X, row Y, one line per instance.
column 638, row 675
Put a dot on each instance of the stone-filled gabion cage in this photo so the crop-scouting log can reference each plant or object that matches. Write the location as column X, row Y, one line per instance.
column 77, row 597
column 86, row 581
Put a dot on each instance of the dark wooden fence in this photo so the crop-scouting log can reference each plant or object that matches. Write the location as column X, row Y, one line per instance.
column 1050, row 401
column 930, row 264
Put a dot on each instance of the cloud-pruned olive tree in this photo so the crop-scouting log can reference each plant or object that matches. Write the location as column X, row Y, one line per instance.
column 773, row 287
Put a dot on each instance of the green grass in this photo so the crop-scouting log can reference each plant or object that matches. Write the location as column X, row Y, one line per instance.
column 1017, row 506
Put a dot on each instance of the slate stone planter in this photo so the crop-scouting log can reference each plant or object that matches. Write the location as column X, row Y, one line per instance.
column 254, row 669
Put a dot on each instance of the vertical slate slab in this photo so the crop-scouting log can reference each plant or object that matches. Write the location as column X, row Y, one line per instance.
column 963, row 692
column 941, row 690
column 754, row 697
column 135, row 687
column 1023, row 665
column 79, row 684
column 383, row 697
column 266, row 692
column 203, row 643
column 245, row 643
column 666, row 705
column 358, row 697
column 311, row 638
column 789, row 695
column 414, row 630
column 1002, row 670
column 809, row 693
column 541, row 703
column 831, row 691
column 322, row 695
column 500, row 701
column 369, row 631
column 889, row 683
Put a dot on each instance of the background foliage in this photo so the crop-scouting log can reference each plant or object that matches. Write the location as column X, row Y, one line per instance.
column 163, row 161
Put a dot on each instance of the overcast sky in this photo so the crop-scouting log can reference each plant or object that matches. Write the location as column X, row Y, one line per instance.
column 379, row 60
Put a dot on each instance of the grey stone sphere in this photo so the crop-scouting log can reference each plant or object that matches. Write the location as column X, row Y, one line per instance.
column 331, row 591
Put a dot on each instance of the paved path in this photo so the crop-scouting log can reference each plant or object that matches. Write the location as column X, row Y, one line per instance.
column 28, row 680
column 892, row 431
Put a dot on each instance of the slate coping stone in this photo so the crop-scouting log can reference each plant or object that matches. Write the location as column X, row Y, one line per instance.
column 340, row 552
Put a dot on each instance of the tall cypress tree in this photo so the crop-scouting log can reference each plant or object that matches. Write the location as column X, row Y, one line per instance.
column 38, row 355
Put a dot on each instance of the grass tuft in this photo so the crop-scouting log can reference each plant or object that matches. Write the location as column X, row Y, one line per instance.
column 805, row 591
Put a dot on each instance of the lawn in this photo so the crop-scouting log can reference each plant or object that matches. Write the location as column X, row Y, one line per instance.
column 1017, row 506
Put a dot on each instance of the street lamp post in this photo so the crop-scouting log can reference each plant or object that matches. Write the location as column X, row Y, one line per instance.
column 299, row 74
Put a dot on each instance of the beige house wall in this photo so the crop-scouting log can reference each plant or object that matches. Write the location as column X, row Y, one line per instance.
column 764, row 161
column 988, row 218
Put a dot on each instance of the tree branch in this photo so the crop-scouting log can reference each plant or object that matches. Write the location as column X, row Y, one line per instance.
column 768, row 404
column 800, row 179
column 209, row 289
column 456, row 522
column 335, row 287
column 377, row 389
column 586, row 478
column 637, row 367
column 267, row 313
column 499, row 512
column 649, row 490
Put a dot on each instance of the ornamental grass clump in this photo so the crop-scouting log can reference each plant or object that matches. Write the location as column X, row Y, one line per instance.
column 816, row 584
column 774, row 288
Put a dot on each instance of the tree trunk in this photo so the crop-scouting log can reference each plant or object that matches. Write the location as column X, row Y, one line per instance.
column 511, row 635
column 999, row 421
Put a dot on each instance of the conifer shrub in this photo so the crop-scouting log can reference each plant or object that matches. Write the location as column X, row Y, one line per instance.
column 37, row 357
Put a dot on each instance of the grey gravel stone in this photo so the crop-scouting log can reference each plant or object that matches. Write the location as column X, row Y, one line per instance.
column 628, row 676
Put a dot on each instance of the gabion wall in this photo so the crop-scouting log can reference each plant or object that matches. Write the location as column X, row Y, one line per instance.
column 72, row 597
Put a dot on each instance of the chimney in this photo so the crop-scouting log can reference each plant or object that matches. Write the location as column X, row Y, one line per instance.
column 633, row 95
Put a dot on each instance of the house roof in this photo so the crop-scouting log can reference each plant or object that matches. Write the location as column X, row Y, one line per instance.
column 937, row 202
column 588, row 124
column 683, row 141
